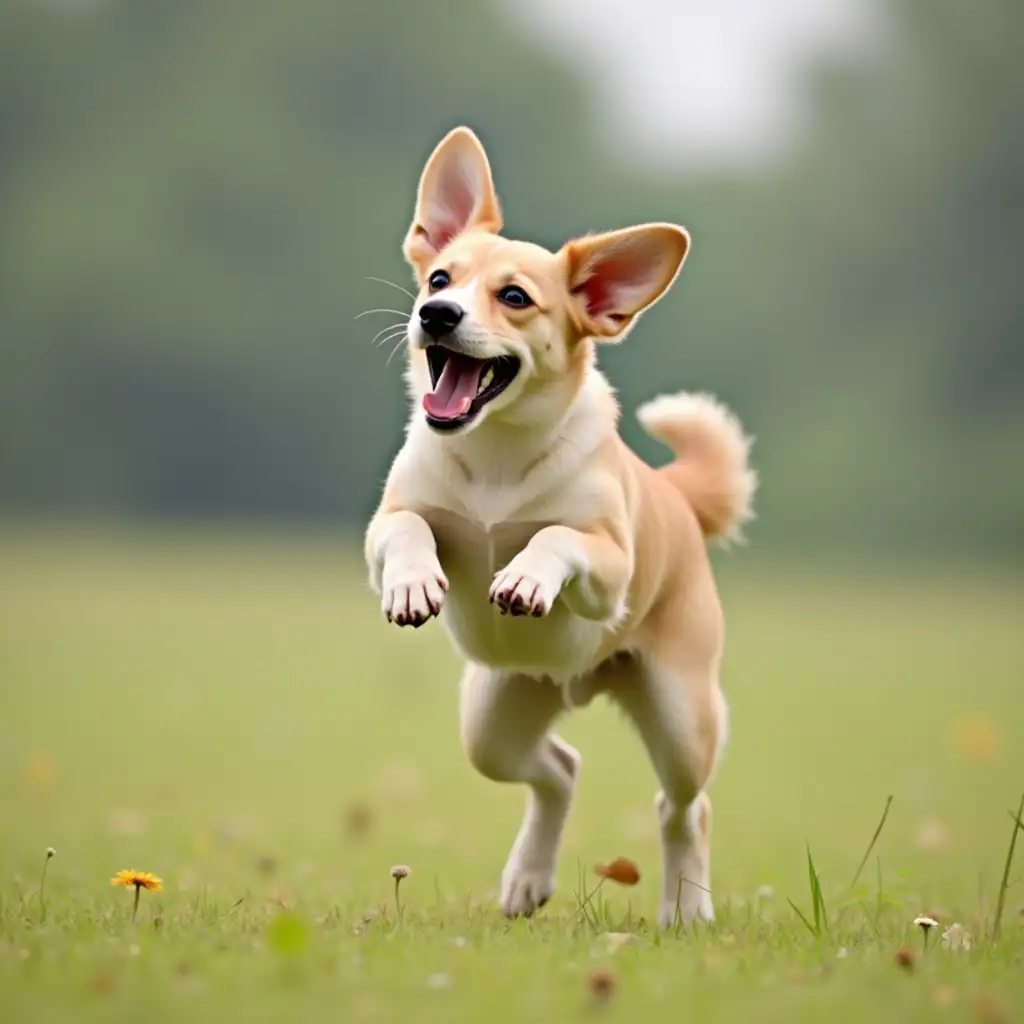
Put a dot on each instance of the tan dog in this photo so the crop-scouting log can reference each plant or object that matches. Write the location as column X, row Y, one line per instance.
column 561, row 565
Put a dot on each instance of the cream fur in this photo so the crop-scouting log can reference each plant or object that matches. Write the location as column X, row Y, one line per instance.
column 562, row 566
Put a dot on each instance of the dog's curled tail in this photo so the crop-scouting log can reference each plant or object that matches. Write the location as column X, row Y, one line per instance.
column 711, row 467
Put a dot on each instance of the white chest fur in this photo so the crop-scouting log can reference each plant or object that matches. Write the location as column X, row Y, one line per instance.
column 559, row 646
column 484, row 501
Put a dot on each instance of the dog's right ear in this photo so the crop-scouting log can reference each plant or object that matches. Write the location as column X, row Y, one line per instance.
column 456, row 193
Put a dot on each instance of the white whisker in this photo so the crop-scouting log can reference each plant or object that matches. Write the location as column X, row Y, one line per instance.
column 391, row 337
column 386, row 330
column 382, row 280
column 367, row 312
column 401, row 342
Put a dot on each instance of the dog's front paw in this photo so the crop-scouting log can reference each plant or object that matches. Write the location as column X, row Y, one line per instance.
column 413, row 594
column 525, row 587
column 682, row 910
column 524, row 891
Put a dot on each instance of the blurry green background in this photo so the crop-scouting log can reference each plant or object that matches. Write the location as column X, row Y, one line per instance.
column 194, row 429
column 193, row 194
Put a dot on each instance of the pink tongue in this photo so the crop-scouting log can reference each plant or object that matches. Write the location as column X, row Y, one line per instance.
column 456, row 388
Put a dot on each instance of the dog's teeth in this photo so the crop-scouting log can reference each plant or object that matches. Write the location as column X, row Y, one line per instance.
column 485, row 380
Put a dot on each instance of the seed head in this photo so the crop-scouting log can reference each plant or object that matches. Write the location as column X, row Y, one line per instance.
column 50, row 852
column 266, row 864
column 904, row 959
column 601, row 982
column 358, row 819
column 400, row 871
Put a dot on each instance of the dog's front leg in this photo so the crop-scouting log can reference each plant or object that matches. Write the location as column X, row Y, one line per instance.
column 589, row 569
column 401, row 554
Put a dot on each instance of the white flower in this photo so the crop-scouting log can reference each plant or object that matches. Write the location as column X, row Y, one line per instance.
column 956, row 936
column 614, row 941
column 925, row 923
column 932, row 835
column 842, row 953
column 764, row 892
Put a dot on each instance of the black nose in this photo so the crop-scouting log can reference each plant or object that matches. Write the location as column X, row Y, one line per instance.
column 440, row 317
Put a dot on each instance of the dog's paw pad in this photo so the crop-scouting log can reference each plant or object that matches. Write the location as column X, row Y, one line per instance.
column 517, row 594
column 414, row 598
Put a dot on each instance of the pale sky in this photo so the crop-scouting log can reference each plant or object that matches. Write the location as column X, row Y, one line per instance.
column 702, row 83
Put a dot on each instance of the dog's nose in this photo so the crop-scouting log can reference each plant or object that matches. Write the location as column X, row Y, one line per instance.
column 439, row 317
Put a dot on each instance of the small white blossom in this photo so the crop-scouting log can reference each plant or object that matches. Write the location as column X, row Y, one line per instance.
column 616, row 940
column 932, row 835
column 956, row 936
column 925, row 923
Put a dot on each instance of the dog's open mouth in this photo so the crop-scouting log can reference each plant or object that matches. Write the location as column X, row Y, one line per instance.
column 463, row 385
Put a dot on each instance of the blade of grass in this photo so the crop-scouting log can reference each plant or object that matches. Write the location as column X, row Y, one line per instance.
column 864, row 859
column 871, row 845
column 583, row 898
column 817, row 898
column 1018, row 826
column 820, row 896
column 879, row 896
column 800, row 914
column 814, row 899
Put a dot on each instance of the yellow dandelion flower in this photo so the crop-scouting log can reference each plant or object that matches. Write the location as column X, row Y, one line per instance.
column 140, row 879
column 977, row 738
column 41, row 772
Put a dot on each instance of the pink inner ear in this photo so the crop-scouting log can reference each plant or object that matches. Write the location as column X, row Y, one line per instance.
column 455, row 203
column 599, row 291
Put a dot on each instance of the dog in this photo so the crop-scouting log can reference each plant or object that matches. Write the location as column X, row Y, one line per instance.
column 561, row 565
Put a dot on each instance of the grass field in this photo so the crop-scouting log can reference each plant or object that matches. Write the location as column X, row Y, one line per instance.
column 228, row 712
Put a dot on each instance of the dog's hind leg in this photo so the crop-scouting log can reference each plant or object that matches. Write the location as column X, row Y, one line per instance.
column 682, row 719
column 505, row 720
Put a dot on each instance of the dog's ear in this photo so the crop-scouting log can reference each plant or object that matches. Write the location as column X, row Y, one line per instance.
column 615, row 276
column 456, row 193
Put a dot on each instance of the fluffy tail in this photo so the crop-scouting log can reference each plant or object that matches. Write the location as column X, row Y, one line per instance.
column 711, row 466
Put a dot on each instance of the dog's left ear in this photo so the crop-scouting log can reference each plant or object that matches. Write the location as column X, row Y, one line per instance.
column 616, row 276
column 456, row 194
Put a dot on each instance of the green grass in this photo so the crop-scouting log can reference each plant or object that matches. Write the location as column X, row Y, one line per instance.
column 211, row 707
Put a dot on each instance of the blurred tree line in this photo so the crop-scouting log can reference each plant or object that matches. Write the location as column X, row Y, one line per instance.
column 193, row 195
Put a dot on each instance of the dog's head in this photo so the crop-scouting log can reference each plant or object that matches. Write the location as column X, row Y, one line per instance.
column 503, row 329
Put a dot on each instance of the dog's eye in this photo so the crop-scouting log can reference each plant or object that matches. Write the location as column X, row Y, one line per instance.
column 439, row 279
column 514, row 296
